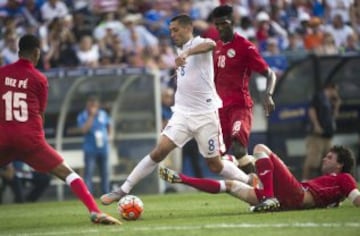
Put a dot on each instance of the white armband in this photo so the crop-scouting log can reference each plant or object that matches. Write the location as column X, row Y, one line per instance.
column 353, row 195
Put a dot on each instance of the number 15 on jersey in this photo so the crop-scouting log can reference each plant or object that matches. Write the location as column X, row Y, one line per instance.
column 16, row 107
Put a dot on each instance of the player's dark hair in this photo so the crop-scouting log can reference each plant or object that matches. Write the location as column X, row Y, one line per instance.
column 183, row 19
column 28, row 43
column 345, row 157
column 223, row 11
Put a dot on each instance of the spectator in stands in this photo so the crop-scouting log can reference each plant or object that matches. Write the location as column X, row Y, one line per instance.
column 109, row 21
column 135, row 37
column 81, row 6
column 246, row 28
column 10, row 50
column 110, row 49
column 157, row 19
column 276, row 61
column 94, row 123
column 88, row 52
column 355, row 17
column 167, row 55
column 296, row 44
column 26, row 184
column 53, row 9
column 267, row 28
column 352, row 44
column 340, row 8
column 12, row 8
column 61, row 40
column 339, row 30
column 323, row 110
column 82, row 25
column 99, row 7
column 328, row 46
column 32, row 12
column 314, row 35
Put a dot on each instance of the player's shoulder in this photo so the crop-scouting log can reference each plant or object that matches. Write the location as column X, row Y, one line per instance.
column 243, row 42
column 199, row 39
column 39, row 76
column 345, row 177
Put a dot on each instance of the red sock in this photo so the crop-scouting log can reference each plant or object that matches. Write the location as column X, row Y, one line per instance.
column 81, row 191
column 205, row 185
column 265, row 170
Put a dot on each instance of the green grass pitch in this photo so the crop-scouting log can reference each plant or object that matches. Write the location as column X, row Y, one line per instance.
column 179, row 214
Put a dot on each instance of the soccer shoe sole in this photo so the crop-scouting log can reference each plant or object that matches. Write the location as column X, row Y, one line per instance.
column 169, row 175
column 271, row 204
column 104, row 219
column 109, row 198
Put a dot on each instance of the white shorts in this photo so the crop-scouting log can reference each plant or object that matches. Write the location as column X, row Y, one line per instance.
column 205, row 128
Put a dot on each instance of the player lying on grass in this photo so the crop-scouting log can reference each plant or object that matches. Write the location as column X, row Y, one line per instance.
column 280, row 189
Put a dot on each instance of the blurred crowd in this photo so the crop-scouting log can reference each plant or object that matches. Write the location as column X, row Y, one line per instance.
column 94, row 33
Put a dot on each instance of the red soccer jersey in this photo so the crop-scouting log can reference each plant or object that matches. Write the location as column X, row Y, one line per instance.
column 330, row 190
column 233, row 63
column 23, row 91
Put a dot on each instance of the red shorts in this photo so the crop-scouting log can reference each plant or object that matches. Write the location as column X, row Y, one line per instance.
column 236, row 124
column 31, row 149
column 287, row 189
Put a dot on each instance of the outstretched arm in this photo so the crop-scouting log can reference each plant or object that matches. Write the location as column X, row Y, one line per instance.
column 206, row 46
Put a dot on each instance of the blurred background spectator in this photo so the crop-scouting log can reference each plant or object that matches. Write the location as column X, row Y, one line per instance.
column 26, row 184
column 95, row 124
column 117, row 33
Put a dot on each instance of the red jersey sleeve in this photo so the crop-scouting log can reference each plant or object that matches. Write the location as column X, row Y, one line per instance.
column 256, row 61
column 347, row 183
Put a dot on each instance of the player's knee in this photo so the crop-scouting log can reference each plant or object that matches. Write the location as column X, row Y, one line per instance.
column 215, row 166
column 158, row 154
column 228, row 184
column 262, row 148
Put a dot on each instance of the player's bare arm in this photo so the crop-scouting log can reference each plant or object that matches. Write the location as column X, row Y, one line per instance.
column 269, row 105
column 204, row 47
column 354, row 197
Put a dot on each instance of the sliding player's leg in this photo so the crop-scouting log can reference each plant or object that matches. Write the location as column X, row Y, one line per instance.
column 235, row 188
column 265, row 171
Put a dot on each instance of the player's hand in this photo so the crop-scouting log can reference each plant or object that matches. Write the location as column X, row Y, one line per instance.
column 269, row 105
column 180, row 61
column 93, row 110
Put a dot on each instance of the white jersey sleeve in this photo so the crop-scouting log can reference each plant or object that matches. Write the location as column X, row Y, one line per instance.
column 196, row 93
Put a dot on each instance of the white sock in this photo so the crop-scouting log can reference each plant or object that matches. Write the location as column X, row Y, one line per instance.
column 222, row 186
column 71, row 177
column 141, row 170
column 242, row 191
column 230, row 171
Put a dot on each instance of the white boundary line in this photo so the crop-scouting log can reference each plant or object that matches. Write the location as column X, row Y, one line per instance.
column 200, row 227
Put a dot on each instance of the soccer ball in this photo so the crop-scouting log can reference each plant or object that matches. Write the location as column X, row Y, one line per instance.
column 130, row 207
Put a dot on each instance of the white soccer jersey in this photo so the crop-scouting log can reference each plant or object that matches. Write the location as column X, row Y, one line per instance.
column 196, row 93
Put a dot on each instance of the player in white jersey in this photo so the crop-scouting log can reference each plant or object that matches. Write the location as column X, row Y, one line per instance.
column 196, row 93
column 195, row 111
